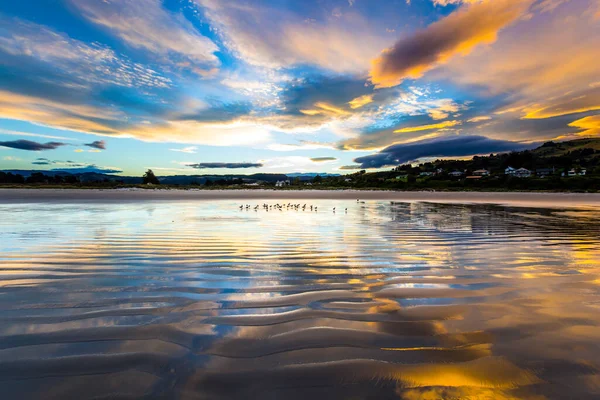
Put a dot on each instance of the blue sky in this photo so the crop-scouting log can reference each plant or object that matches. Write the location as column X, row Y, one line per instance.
column 290, row 86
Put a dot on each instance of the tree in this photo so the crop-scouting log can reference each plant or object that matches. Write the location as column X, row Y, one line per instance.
column 149, row 177
column 318, row 179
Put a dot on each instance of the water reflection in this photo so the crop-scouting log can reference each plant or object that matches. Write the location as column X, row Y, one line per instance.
column 391, row 300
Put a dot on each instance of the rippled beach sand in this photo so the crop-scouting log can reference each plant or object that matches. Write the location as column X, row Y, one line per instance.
column 201, row 300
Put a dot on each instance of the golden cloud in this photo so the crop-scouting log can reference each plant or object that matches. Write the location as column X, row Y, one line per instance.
column 589, row 126
column 441, row 125
column 361, row 101
column 473, row 24
column 323, row 108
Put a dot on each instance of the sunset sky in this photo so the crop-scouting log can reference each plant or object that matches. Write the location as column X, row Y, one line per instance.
column 245, row 86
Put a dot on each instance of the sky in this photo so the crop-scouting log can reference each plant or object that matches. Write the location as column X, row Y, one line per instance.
column 244, row 86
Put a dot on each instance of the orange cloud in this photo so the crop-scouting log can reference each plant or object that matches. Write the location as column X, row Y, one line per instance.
column 549, row 63
column 459, row 33
column 581, row 102
column 441, row 125
column 361, row 101
column 589, row 126
column 325, row 109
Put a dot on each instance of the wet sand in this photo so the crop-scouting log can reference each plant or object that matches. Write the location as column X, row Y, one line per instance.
column 8, row 196
column 389, row 300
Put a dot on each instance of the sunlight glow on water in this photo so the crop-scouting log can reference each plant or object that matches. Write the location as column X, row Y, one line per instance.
column 194, row 300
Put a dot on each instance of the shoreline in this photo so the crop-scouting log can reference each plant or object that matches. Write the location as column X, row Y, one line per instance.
column 22, row 196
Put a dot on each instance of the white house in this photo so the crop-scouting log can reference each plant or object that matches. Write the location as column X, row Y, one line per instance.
column 282, row 183
column 522, row 173
column 456, row 173
column 573, row 172
column 509, row 171
column 481, row 172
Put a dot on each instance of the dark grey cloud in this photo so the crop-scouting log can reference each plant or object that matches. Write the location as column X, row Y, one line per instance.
column 97, row 144
column 31, row 146
column 322, row 159
column 68, row 163
column 452, row 146
column 208, row 165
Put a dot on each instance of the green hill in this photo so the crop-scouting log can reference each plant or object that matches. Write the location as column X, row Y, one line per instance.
column 557, row 149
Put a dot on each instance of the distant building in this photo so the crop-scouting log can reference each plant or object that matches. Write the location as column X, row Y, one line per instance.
column 456, row 173
column 400, row 177
column 481, row 172
column 573, row 172
column 426, row 173
column 282, row 183
column 522, row 173
column 474, row 177
column 544, row 172
column 347, row 180
column 519, row 173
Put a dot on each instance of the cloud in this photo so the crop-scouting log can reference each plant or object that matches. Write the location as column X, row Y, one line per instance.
column 323, row 159
column 97, row 144
column 480, row 118
column 189, row 149
column 145, row 24
column 46, row 161
column 588, row 126
column 545, row 66
column 440, row 125
column 28, row 48
column 452, row 146
column 20, row 133
column 343, row 44
column 214, row 165
column 360, row 101
column 588, row 100
column 350, row 167
column 31, row 146
column 458, row 33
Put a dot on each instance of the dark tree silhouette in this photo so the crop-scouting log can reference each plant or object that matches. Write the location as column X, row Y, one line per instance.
column 149, row 177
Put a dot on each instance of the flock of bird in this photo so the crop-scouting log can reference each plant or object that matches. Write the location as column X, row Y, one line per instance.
column 285, row 207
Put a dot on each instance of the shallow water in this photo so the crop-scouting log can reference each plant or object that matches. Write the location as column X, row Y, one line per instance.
column 191, row 300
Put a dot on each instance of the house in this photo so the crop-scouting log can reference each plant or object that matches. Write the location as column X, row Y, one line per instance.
column 573, row 172
column 456, row 173
column 509, row 171
column 401, row 177
column 347, row 180
column 519, row 173
column 426, row 173
column 522, row 173
column 481, row 172
column 282, row 183
column 544, row 172
column 474, row 177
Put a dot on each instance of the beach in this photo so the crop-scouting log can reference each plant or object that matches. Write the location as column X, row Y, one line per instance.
column 8, row 196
